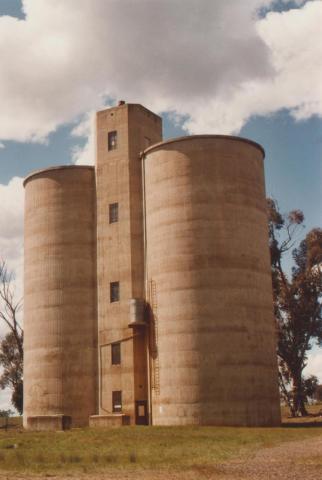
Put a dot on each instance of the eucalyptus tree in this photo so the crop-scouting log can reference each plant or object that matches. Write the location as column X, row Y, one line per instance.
column 297, row 302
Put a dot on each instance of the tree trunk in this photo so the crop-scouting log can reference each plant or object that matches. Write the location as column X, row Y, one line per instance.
column 299, row 396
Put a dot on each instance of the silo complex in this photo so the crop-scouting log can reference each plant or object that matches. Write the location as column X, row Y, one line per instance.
column 209, row 280
column 148, row 296
column 60, row 320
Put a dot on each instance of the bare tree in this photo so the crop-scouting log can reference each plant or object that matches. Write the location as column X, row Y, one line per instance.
column 11, row 346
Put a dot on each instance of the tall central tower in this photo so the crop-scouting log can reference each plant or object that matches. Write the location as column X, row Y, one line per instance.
column 122, row 133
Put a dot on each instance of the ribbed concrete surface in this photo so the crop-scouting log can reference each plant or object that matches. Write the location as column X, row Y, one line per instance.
column 209, row 271
column 60, row 320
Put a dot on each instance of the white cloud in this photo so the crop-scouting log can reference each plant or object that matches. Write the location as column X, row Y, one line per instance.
column 314, row 366
column 207, row 59
column 11, row 228
column 5, row 397
column 86, row 128
column 11, row 247
column 294, row 40
column 2, row 145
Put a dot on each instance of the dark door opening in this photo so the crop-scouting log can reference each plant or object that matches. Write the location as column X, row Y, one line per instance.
column 141, row 412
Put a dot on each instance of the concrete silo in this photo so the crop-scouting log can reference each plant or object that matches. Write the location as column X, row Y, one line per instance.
column 60, row 319
column 212, row 343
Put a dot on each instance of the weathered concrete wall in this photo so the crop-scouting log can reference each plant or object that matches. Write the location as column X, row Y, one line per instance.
column 60, row 314
column 210, row 283
column 108, row 421
column 43, row 423
column 120, row 250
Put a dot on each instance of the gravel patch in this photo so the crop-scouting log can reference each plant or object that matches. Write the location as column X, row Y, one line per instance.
column 300, row 460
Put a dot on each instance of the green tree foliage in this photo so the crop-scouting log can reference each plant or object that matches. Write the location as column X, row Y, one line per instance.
column 10, row 360
column 297, row 303
column 11, row 346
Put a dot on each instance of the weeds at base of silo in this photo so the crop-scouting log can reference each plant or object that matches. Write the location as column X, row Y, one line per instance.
column 133, row 457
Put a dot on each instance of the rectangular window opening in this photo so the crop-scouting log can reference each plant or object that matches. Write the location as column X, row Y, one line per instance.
column 116, row 353
column 117, row 401
column 112, row 140
column 113, row 212
column 114, row 291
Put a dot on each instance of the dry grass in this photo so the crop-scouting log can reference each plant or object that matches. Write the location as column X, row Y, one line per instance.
column 314, row 417
column 140, row 449
column 145, row 448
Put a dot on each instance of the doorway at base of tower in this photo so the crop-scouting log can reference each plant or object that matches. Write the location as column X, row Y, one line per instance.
column 141, row 412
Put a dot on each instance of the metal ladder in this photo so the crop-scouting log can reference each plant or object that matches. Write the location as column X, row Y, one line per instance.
column 155, row 339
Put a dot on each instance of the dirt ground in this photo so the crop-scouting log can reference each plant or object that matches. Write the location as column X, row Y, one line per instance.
column 299, row 460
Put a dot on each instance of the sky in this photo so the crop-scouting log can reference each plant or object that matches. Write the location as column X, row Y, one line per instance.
column 251, row 68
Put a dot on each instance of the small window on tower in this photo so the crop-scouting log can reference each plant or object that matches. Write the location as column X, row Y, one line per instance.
column 114, row 291
column 117, row 401
column 116, row 353
column 112, row 140
column 113, row 212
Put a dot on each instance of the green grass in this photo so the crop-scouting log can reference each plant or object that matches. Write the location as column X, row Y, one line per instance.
column 90, row 450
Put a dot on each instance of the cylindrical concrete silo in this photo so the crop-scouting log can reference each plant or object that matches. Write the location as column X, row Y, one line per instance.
column 60, row 318
column 212, row 340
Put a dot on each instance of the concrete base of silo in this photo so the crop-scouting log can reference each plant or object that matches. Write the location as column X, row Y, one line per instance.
column 49, row 422
column 112, row 420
